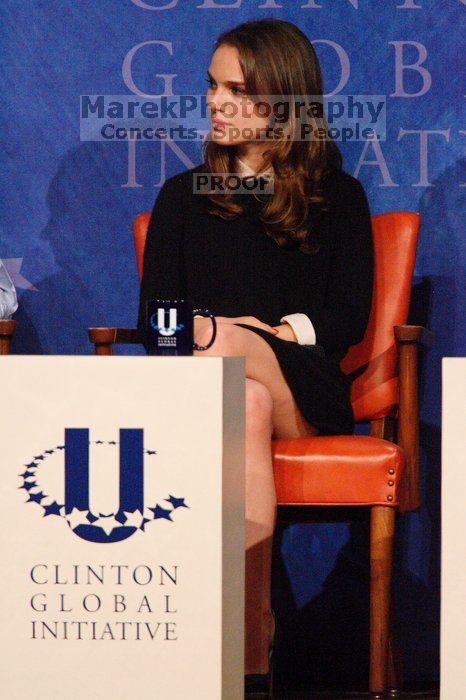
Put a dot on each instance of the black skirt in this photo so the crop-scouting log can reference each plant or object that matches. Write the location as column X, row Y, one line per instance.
column 319, row 387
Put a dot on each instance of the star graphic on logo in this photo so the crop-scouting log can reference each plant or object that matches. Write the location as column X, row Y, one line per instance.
column 107, row 523
column 176, row 502
column 36, row 497
column 77, row 517
column 27, row 474
column 134, row 519
column 28, row 485
column 116, row 526
column 52, row 509
column 160, row 512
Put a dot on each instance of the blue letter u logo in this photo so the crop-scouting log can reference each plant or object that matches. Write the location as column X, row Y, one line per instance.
column 77, row 481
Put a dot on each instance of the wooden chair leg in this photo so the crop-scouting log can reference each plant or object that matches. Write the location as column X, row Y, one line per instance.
column 103, row 349
column 381, row 548
column 103, row 339
column 394, row 668
column 4, row 345
column 7, row 329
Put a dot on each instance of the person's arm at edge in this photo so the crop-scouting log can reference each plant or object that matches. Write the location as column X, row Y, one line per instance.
column 8, row 298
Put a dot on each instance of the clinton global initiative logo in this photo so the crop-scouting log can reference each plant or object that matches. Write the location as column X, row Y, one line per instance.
column 75, row 482
column 157, row 321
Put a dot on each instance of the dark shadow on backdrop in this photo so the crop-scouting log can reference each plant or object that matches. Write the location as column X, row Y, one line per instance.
column 89, row 233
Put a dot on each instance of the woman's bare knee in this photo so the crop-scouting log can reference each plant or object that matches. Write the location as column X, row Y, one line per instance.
column 227, row 341
column 259, row 407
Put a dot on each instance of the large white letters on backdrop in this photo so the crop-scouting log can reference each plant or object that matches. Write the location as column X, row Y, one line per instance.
column 128, row 74
column 402, row 69
column 266, row 5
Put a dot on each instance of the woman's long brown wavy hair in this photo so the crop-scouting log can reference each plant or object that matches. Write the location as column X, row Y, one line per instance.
column 278, row 59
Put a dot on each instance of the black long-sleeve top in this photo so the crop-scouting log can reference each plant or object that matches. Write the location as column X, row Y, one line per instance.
column 235, row 269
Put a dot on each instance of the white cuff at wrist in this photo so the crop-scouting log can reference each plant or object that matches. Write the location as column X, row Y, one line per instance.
column 302, row 327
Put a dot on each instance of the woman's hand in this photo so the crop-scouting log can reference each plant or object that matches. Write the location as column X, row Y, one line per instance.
column 286, row 332
column 283, row 330
column 248, row 320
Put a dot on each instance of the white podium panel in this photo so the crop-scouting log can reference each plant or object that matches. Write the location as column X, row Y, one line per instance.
column 122, row 528
column 453, row 605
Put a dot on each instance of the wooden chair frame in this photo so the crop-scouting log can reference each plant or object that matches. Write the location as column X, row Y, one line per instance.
column 400, row 426
column 383, row 662
column 7, row 329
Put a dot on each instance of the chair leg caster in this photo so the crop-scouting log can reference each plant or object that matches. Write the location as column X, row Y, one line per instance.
column 393, row 693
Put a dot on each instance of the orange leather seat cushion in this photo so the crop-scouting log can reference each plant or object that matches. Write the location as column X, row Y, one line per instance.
column 338, row 470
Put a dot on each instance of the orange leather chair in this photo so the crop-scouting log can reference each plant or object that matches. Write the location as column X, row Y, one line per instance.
column 356, row 470
column 7, row 329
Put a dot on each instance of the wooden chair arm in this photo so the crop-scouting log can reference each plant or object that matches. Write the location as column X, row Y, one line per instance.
column 408, row 339
column 104, row 338
column 7, row 329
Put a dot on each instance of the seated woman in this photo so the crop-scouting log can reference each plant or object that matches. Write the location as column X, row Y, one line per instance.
column 8, row 300
column 288, row 274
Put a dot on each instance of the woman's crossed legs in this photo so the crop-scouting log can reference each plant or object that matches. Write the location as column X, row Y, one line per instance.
column 271, row 412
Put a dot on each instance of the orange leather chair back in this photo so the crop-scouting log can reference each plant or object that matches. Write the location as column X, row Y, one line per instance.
column 373, row 362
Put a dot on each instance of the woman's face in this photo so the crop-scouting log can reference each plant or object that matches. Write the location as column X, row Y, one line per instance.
column 235, row 120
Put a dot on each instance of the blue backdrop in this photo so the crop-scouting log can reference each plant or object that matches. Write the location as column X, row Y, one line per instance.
column 66, row 236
